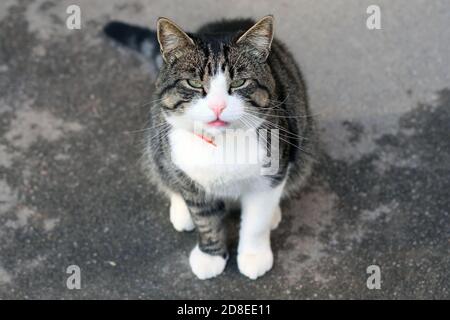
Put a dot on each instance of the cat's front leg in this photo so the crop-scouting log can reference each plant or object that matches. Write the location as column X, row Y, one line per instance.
column 255, row 255
column 179, row 214
column 209, row 257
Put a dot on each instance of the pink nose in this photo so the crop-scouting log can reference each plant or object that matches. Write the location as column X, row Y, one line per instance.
column 218, row 108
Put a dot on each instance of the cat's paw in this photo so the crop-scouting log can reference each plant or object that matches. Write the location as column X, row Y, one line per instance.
column 254, row 265
column 276, row 219
column 206, row 266
column 179, row 215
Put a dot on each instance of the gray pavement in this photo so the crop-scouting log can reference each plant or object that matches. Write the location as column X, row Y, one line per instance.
column 71, row 191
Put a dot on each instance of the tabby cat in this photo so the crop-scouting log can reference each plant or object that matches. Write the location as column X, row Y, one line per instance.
column 228, row 77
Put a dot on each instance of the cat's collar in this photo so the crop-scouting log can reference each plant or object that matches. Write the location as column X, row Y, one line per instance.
column 209, row 140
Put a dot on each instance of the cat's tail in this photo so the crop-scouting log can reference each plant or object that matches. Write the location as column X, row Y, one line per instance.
column 140, row 39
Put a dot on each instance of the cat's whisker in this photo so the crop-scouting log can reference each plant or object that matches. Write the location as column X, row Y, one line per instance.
column 277, row 136
column 314, row 115
column 252, row 125
column 296, row 146
column 276, row 126
column 163, row 131
column 279, row 103
column 275, row 101
column 146, row 129
column 140, row 130
column 277, row 108
column 146, row 103
column 277, row 115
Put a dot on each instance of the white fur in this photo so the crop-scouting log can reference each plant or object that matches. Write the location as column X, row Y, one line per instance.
column 206, row 266
column 212, row 165
column 179, row 214
column 209, row 166
column 201, row 112
column 258, row 210
column 276, row 219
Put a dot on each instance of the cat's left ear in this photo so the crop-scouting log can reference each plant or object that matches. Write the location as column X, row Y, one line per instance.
column 259, row 37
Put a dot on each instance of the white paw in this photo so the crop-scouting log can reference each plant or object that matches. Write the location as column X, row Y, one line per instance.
column 206, row 266
column 254, row 265
column 276, row 219
column 179, row 214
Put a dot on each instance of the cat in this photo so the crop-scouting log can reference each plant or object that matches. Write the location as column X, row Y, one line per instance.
column 229, row 76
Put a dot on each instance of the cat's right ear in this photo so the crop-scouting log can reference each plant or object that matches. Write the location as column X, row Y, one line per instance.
column 172, row 40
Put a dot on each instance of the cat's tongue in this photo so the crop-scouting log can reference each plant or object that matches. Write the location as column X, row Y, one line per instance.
column 218, row 123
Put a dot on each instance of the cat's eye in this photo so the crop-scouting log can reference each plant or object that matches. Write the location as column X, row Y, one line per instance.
column 237, row 83
column 197, row 84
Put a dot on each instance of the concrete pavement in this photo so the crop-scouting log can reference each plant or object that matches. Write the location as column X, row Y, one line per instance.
column 71, row 192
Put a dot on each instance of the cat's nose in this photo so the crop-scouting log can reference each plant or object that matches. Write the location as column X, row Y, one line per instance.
column 217, row 108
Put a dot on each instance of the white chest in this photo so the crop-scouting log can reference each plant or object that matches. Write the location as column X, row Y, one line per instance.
column 228, row 168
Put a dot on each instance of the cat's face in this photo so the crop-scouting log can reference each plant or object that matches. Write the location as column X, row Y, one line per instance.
column 215, row 83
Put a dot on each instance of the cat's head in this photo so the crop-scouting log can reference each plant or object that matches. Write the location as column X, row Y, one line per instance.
column 215, row 81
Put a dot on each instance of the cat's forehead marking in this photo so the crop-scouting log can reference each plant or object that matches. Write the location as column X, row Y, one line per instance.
column 215, row 60
column 216, row 55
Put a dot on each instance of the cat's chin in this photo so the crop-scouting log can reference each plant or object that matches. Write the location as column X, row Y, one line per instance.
column 209, row 128
column 214, row 131
column 215, row 127
column 218, row 130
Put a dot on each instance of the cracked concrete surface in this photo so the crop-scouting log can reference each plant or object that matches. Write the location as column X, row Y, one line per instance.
column 71, row 192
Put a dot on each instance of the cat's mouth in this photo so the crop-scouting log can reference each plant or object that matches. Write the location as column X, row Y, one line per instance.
column 218, row 123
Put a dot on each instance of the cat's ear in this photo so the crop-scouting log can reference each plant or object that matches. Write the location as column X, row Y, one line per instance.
column 172, row 40
column 259, row 37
